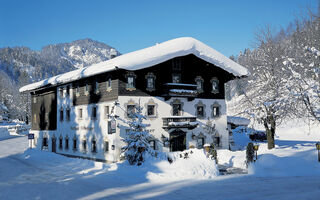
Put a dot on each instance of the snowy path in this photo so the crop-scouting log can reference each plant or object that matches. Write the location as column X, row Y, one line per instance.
column 49, row 176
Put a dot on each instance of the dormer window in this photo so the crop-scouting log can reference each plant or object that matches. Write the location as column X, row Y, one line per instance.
column 150, row 82
column 215, row 85
column 131, row 81
column 199, row 82
column 109, row 84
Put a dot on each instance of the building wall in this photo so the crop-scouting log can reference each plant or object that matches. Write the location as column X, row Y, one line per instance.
column 164, row 109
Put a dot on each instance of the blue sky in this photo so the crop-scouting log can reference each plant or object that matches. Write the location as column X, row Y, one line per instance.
column 226, row 25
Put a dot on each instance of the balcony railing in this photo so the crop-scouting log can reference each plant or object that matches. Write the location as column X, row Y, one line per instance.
column 179, row 122
column 180, row 90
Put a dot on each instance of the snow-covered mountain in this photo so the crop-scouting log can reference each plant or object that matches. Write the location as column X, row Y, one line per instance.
column 53, row 59
column 21, row 65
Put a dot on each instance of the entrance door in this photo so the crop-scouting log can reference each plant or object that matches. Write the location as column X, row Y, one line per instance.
column 177, row 140
column 54, row 145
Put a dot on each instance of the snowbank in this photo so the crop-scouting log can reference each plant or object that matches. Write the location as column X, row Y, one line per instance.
column 4, row 133
column 299, row 164
column 196, row 166
column 148, row 57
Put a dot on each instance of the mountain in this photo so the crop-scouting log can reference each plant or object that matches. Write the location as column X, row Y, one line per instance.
column 53, row 59
column 21, row 65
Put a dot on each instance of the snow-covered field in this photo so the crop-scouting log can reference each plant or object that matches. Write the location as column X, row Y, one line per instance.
column 290, row 171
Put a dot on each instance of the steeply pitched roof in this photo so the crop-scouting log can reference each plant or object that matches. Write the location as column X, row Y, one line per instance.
column 148, row 57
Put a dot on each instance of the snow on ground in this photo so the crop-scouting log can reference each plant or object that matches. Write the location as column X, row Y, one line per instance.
column 290, row 171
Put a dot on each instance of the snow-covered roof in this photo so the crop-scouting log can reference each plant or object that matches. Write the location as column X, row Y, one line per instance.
column 240, row 121
column 148, row 57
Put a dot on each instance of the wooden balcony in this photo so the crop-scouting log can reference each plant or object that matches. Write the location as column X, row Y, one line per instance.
column 179, row 90
column 179, row 122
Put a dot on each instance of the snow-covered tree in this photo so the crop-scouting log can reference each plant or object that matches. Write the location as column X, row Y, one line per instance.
column 265, row 97
column 137, row 138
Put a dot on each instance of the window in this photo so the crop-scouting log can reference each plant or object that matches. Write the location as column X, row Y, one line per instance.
column 199, row 82
column 109, row 84
column 94, row 145
column 215, row 111
column 68, row 114
column 60, row 142
column 74, row 143
column 45, row 143
column 200, row 142
column 106, row 111
column 106, row 146
column 215, row 85
column 86, row 92
column 131, row 82
column 61, row 92
column 152, row 144
column 200, row 111
column 176, row 78
column 80, row 114
column 68, row 90
column 66, row 143
column 96, row 87
column 84, row 145
column 94, row 112
column 61, row 114
column 78, row 90
column 130, row 110
column 177, row 109
column 151, row 110
column 150, row 81
column 176, row 64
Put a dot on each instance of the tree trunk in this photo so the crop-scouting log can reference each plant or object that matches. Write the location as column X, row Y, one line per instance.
column 270, row 138
column 270, row 131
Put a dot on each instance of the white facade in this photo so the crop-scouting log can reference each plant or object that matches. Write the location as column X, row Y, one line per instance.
column 94, row 131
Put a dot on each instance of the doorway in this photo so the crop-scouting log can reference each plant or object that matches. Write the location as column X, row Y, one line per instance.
column 177, row 140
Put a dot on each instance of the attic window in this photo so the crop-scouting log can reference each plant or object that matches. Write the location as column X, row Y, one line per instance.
column 150, row 82
column 131, row 81
column 215, row 85
column 176, row 64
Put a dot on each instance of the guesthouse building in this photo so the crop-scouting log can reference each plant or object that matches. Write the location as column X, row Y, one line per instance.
column 179, row 83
